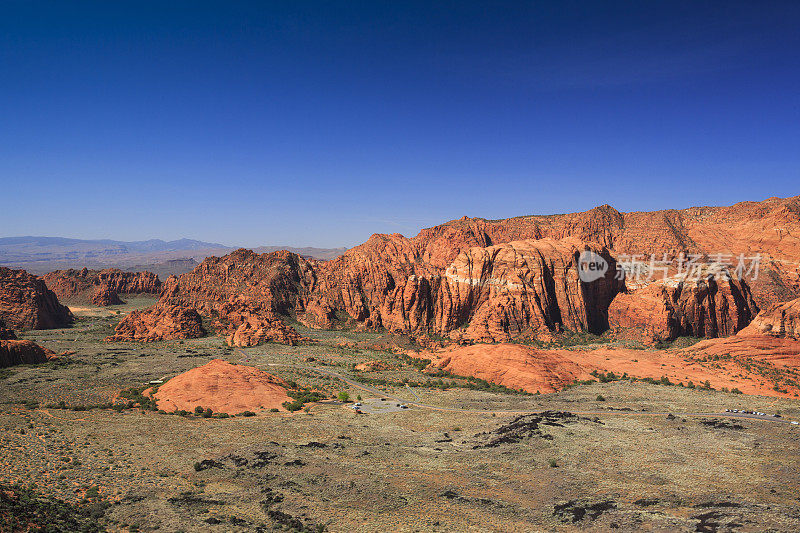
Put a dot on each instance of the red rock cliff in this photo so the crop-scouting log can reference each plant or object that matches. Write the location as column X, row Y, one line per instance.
column 27, row 303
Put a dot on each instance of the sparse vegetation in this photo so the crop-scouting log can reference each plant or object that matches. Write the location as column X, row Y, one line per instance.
column 300, row 398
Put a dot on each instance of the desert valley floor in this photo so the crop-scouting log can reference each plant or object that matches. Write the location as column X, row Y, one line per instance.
column 598, row 456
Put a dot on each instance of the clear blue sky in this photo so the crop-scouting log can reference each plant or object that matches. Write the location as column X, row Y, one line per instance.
column 320, row 123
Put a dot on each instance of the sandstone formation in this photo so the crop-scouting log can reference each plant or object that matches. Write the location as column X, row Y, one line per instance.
column 244, row 292
column 513, row 365
column 676, row 307
column 27, row 303
column 274, row 281
column 480, row 280
column 244, row 324
column 488, row 294
column 780, row 320
column 532, row 369
column 770, row 228
column 224, row 388
column 104, row 296
column 773, row 336
column 100, row 286
column 22, row 352
column 161, row 322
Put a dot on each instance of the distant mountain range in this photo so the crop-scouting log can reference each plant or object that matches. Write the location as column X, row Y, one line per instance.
column 39, row 255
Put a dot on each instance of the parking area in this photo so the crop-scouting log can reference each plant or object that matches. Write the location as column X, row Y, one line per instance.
column 378, row 406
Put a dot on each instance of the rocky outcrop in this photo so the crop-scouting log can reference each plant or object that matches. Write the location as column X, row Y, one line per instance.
column 487, row 293
column 223, row 388
column 246, row 324
column 273, row 281
column 374, row 366
column 27, row 303
column 536, row 370
column 22, row 352
column 86, row 285
column 677, row 307
column 772, row 337
column 246, row 293
column 780, row 320
column 104, row 296
column 513, row 366
column 499, row 292
column 160, row 322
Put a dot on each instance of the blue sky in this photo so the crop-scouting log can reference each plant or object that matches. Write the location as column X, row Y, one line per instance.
column 320, row 123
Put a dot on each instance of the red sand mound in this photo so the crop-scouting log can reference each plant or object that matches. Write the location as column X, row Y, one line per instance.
column 224, row 388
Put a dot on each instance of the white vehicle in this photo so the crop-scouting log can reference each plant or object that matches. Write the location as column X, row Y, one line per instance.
column 358, row 404
column 795, row 422
column 403, row 406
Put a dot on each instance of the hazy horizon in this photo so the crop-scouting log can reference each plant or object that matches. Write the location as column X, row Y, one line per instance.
column 293, row 245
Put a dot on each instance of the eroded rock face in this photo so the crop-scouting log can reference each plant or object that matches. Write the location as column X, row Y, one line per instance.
column 499, row 292
column 27, row 303
column 772, row 337
column 667, row 309
column 274, row 281
column 487, row 293
column 245, row 324
column 104, row 296
column 770, row 228
column 22, row 352
column 98, row 286
column 160, row 322
column 780, row 320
